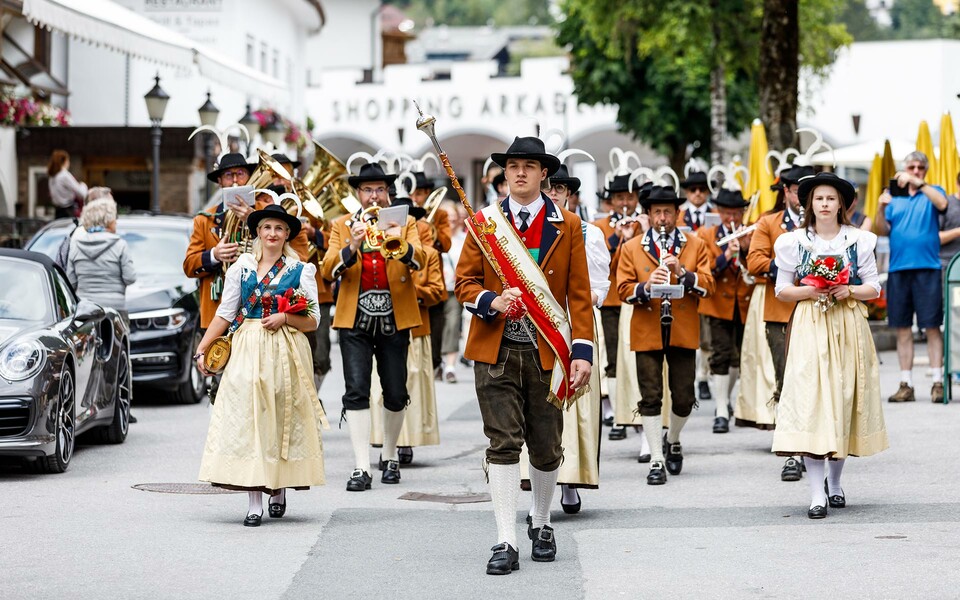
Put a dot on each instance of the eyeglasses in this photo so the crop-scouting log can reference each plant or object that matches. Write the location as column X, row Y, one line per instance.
column 697, row 188
column 234, row 174
column 559, row 188
column 379, row 191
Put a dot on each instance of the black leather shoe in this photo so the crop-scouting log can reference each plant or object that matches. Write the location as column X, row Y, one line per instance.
column 277, row 510
column 131, row 419
column 673, row 456
column 544, row 545
column 618, row 432
column 656, row 476
column 792, row 470
column 608, row 421
column 253, row 520
column 703, row 391
column 571, row 509
column 359, row 481
column 505, row 560
column 530, row 527
column 721, row 425
column 392, row 473
column 644, row 458
column 817, row 512
column 405, row 453
column 837, row 500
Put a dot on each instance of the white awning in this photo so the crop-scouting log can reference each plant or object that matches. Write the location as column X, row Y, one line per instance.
column 105, row 23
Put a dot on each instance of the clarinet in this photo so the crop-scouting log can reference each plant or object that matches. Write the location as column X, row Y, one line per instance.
column 666, row 310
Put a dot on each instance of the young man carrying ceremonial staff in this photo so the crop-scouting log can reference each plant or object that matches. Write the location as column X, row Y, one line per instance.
column 376, row 308
column 664, row 255
column 528, row 365
column 760, row 263
column 726, row 309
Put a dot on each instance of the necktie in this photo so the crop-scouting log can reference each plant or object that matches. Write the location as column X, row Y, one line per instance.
column 524, row 214
column 696, row 219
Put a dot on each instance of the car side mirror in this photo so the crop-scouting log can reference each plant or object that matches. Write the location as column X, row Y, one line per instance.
column 88, row 311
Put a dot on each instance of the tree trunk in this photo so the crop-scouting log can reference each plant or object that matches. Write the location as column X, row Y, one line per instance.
column 779, row 71
column 718, row 95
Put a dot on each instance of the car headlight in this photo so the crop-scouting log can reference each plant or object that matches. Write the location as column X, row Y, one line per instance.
column 168, row 318
column 22, row 360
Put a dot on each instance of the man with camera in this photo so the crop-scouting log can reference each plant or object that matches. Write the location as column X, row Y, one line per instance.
column 909, row 212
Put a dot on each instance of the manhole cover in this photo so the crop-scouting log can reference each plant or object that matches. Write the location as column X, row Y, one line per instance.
column 182, row 488
column 455, row 498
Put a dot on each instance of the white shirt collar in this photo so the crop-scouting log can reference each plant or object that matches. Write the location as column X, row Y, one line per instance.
column 795, row 217
column 534, row 209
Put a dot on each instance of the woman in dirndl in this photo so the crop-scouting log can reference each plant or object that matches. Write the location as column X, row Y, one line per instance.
column 830, row 406
column 264, row 434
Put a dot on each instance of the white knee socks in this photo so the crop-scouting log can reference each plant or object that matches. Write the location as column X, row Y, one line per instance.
column 644, row 442
column 255, row 506
column 543, row 484
column 676, row 426
column 719, row 386
column 834, row 470
column 652, row 426
column 358, row 422
column 392, row 424
column 504, row 490
column 815, row 474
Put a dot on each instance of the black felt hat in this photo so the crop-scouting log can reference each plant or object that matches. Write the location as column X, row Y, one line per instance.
column 531, row 148
column 423, row 182
column 661, row 194
column 283, row 159
column 621, row 183
column 695, row 178
column 371, row 172
column 795, row 173
column 230, row 161
column 644, row 192
column 730, row 199
column 417, row 212
column 562, row 177
column 843, row 187
column 273, row 211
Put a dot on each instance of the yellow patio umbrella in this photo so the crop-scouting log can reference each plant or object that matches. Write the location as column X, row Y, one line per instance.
column 888, row 165
column 760, row 177
column 949, row 162
column 870, row 200
column 925, row 145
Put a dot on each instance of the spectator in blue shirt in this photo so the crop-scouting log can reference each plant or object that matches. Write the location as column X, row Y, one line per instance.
column 914, row 285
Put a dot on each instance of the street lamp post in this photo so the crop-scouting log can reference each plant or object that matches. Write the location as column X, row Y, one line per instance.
column 273, row 133
column 252, row 125
column 208, row 116
column 156, row 100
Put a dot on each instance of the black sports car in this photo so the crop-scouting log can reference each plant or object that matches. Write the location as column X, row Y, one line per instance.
column 64, row 365
column 163, row 304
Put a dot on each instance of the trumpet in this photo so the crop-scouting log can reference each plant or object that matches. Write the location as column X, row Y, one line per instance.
column 390, row 246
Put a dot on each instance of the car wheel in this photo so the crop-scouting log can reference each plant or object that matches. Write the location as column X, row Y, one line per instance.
column 193, row 389
column 116, row 431
column 65, row 429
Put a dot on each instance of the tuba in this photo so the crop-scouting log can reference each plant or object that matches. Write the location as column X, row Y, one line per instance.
column 325, row 182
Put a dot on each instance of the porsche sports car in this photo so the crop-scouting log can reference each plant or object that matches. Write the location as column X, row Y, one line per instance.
column 64, row 365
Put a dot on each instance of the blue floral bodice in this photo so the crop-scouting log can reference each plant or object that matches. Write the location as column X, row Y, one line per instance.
column 849, row 257
column 287, row 280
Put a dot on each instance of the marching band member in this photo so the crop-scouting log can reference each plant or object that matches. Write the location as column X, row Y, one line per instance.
column 441, row 243
column 528, row 362
column 318, row 232
column 618, row 228
column 376, row 308
column 761, row 263
column 696, row 186
column 662, row 255
column 726, row 308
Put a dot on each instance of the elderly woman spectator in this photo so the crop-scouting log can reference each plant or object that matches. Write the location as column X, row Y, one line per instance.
column 66, row 193
column 98, row 263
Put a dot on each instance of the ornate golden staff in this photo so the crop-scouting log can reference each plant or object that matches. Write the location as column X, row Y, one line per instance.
column 426, row 124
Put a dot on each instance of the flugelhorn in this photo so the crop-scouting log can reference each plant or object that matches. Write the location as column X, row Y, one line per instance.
column 390, row 246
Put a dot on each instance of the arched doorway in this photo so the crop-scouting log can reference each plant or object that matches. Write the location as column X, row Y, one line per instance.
column 468, row 150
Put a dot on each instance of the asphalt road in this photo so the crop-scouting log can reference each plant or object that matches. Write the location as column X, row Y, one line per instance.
column 727, row 527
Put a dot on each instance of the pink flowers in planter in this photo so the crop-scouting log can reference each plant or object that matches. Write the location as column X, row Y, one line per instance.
column 25, row 111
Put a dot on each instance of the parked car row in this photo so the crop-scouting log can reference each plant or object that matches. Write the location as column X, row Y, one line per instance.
column 71, row 366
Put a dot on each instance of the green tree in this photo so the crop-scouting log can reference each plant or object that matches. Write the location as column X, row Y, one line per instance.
column 916, row 19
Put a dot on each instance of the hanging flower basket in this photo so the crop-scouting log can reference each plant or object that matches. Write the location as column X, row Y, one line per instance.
column 23, row 111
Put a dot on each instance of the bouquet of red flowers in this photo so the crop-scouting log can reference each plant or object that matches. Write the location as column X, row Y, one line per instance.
column 295, row 302
column 825, row 272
